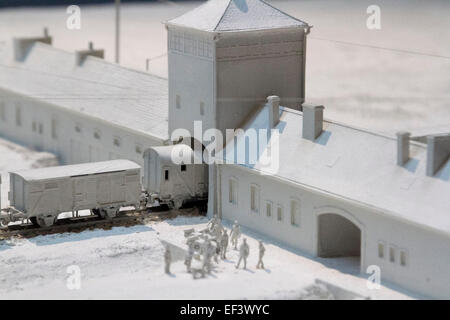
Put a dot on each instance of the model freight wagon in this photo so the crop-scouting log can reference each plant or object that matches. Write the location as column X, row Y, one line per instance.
column 171, row 181
column 42, row 194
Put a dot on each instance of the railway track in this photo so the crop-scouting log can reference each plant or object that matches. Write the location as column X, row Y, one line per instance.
column 125, row 218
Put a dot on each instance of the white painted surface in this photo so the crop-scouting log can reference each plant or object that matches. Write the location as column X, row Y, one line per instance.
column 77, row 170
column 128, row 263
column 164, row 177
column 14, row 157
column 232, row 15
column 98, row 89
column 427, row 253
column 360, row 166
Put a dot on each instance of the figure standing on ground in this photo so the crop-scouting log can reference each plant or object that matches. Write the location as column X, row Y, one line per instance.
column 189, row 256
column 208, row 254
column 235, row 234
column 212, row 223
column 167, row 259
column 217, row 231
column 244, row 251
column 224, row 244
column 260, row 263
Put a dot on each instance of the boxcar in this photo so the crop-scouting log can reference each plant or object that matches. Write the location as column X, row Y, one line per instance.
column 173, row 183
column 103, row 187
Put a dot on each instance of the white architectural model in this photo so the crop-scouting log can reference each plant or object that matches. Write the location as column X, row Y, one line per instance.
column 103, row 187
column 338, row 190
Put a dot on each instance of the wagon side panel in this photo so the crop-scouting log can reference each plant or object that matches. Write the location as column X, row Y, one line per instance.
column 84, row 189
column 44, row 197
column 103, row 190
column 118, row 188
column 17, row 196
column 132, row 187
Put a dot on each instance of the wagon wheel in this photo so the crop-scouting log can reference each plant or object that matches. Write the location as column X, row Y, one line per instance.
column 108, row 213
column 178, row 203
column 3, row 223
column 34, row 221
column 46, row 221
column 170, row 205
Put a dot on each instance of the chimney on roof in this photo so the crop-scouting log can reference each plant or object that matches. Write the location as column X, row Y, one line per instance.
column 312, row 121
column 22, row 45
column 438, row 152
column 81, row 55
column 273, row 102
column 402, row 147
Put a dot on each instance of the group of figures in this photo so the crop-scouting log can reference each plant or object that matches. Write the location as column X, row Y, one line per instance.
column 209, row 244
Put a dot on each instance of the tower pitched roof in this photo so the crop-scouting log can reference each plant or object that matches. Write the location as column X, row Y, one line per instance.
column 236, row 15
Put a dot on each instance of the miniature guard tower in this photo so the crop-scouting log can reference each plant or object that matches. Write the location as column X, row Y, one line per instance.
column 228, row 56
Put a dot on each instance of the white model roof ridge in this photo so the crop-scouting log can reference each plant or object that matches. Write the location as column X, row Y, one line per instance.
column 77, row 169
column 360, row 166
column 236, row 15
column 356, row 128
column 98, row 89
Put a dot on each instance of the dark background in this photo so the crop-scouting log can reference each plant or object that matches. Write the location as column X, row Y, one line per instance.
column 39, row 3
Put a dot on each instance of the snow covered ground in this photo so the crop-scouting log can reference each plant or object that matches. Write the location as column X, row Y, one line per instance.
column 127, row 263
column 359, row 84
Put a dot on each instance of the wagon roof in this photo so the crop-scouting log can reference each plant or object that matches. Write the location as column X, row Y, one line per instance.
column 165, row 153
column 76, row 170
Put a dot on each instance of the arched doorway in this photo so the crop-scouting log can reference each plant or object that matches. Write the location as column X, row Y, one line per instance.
column 338, row 237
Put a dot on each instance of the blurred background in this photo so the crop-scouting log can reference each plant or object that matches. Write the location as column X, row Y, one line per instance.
column 391, row 79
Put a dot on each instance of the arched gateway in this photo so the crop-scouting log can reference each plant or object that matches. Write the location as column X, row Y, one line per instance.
column 338, row 234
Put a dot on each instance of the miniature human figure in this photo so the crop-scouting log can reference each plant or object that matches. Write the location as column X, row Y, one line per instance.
column 217, row 231
column 189, row 256
column 235, row 234
column 211, row 223
column 215, row 251
column 260, row 263
column 224, row 244
column 208, row 253
column 167, row 259
column 143, row 200
column 244, row 251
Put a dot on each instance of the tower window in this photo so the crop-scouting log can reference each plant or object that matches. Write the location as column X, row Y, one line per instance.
column 269, row 209
column 54, row 129
column 183, row 167
column 117, row 141
column 391, row 254
column 2, row 111
column 381, row 250
column 166, row 175
column 97, row 134
column 295, row 213
column 202, row 108
column 78, row 128
column 178, row 101
column 254, row 198
column 279, row 213
column 232, row 191
column 403, row 258
column 18, row 115
column 138, row 149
